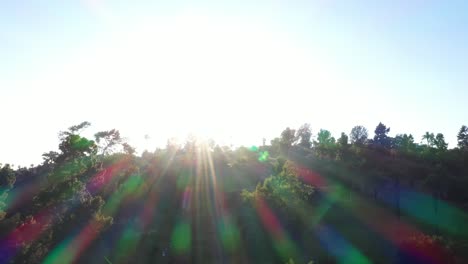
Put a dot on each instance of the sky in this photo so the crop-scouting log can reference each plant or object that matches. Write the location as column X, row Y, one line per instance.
column 235, row 71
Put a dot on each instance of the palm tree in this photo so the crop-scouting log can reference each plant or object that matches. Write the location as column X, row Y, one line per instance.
column 429, row 137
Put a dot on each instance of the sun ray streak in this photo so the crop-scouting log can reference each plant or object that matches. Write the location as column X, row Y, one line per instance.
column 283, row 245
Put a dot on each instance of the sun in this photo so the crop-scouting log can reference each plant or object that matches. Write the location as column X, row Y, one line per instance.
column 191, row 74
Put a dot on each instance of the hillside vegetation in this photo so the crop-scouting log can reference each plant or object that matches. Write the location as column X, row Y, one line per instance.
column 302, row 198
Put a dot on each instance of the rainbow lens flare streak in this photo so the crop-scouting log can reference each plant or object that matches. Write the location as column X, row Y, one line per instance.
column 341, row 249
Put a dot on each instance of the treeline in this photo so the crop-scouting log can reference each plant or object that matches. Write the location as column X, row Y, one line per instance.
column 429, row 164
column 302, row 198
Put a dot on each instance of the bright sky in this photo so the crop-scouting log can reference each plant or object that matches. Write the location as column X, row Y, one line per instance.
column 236, row 72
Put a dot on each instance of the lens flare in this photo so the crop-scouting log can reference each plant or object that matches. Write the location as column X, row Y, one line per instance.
column 281, row 241
column 341, row 249
column 181, row 239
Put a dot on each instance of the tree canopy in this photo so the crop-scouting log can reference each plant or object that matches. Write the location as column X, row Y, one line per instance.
column 303, row 198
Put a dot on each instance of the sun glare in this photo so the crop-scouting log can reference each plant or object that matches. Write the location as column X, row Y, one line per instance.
column 232, row 132
column 193, row 74
column 200, row 75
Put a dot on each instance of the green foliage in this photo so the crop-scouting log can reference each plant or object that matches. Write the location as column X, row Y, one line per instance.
column 304, row 134
column 358, row 135
column 440, row 142
column 7, row 177
column 381, row 138
column 283, row 191
column 325, row 145
column 108, row 140
column 50, row 157
column 77, row 128
column 343, row 140
column 288, row 138
column 462, row 138
column 430, row 139
column 324, row 138
column 275, row 147
column 72, row 145
column 129, row 150
column 405, row 143
column 185, row 204
column 7, row 180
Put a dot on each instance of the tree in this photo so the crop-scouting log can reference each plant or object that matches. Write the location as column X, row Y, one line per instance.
column 7, row 177
column 324, row 138
column 50, row 157
column 325, row 143
column 129, row 150
column 275, row 146
column 381, row 138
column 304, row 134
column 7, row 180
column 440, row 143
column 72, row 145
column 287, row 140
column 462, row 138
column 343, row 140
column 284, row 190
column 343, row 146
column 405, row 143
column 430, row 139
column 107, row 140
column 358, row 135
column 77, row 128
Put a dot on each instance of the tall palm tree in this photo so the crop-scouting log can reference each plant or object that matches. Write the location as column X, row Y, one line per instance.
column 429, row 137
